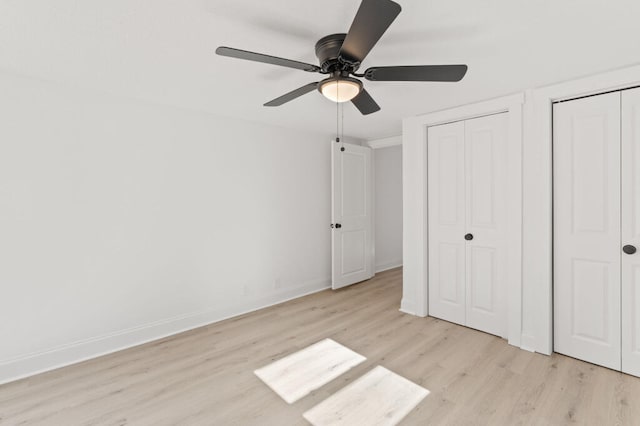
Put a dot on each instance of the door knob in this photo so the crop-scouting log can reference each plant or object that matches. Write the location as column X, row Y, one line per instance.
column 468, row 237
column 629, row 249
column 338, row 226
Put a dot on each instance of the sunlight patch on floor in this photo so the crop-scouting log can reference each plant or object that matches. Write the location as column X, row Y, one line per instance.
column 295, row 376
column 380, row 397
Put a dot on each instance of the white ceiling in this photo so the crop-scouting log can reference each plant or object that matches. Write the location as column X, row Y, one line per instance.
column 163, row 51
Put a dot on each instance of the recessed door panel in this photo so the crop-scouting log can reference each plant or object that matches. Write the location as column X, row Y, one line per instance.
column 486, row 221
column 590, row 160
column 482, row 169
column 631, row 231
column 451, row 276
column 631, row 319
column 482, row 276
column 354, row 244
column 354, row 171
column 586, row 170
column 446, row 250
column 448, row 203
column 590, row 289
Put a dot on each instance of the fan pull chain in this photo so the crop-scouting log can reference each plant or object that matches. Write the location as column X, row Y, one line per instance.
column 337, row 123
column 342, row 108
column 338, row 126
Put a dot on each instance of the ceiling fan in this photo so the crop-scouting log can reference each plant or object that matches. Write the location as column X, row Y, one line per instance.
column 340, row 56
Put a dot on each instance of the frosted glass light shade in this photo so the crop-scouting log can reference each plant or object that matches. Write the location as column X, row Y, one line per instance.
column 341, row 90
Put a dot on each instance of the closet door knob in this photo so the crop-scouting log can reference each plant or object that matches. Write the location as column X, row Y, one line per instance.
column 468, row 237
column 629, row 249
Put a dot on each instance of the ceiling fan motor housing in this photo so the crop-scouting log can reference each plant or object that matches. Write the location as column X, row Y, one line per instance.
column 328, row 51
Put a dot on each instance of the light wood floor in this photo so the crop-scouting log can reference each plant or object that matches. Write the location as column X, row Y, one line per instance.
column 205, row 376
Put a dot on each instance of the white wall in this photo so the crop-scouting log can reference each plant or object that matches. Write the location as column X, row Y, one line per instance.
column 123, row 221
column 388, row 207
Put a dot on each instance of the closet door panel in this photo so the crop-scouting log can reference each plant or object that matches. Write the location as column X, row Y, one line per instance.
column 586, row 171
column 446, row 215
column 486, row 221
column 631, row 231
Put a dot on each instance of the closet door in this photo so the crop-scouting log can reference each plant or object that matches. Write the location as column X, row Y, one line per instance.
column 446, row 221
column 631, row 231
column 486, row 223
column 587, row 255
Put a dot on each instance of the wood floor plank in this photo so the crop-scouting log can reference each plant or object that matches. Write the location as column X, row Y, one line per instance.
column 205, row 376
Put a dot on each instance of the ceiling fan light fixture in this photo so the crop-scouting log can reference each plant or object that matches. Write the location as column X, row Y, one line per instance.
column 341, row 89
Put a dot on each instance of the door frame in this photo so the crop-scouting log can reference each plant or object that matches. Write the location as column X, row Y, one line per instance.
column 414, row 173
column 537, row 332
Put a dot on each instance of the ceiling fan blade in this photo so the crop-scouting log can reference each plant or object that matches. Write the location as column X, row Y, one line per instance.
column 365, row 103
column 417, row 73
column 267, row 59
column 293, row 95
column 371, row 21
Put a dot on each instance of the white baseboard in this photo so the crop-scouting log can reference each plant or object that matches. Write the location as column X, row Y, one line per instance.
column 407, row 307
column 388, row 265
column 528, row 343
column 61, row 356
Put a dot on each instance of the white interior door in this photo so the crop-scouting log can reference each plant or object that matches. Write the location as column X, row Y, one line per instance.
column 587, row 256
column 352, row 214
column 446, row 221
column 486, row 223
column 631, row 231
column 467, row 222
